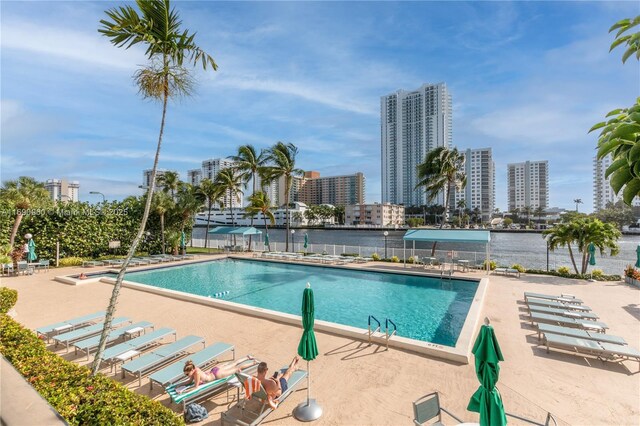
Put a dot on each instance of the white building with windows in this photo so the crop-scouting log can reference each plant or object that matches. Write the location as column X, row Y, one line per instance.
column 528, row 185
column 412, row 124
column 480, row 191
column 63, row 190
column 194, row 176
column 146, row 178
column 603, row 194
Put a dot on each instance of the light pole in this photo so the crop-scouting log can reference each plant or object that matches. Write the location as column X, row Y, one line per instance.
column 104, row 199
column 386, row 234
column 293, row 241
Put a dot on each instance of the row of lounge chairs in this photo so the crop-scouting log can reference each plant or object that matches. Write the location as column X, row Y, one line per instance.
column 139, row 261
column 316, row 258
column 128, row 340
column 572, row 327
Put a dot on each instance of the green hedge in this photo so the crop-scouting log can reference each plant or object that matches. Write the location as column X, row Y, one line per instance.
column 8, row 298
column 81, row 399
column 595, row 277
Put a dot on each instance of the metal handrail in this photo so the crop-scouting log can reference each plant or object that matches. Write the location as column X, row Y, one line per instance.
column 371, row 317
column 386, row 330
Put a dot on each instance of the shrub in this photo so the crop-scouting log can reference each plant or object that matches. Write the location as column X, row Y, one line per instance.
column 79, row 397
column 350, row 254
column 518, row 267
column 632, row 272
column 8, row 298
column 411, row 260
column 395, row 259
column 492, row 265
column 71, row 261
column 375, row 257
column 563, row 270
column 575, row 276
column 597, row 273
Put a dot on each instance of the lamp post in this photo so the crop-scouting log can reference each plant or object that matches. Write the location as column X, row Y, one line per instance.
column 386, row 234
column 104, row 199
column 293, row 241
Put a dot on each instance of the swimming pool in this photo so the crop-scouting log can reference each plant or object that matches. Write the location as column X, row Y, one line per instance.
column 423, row 308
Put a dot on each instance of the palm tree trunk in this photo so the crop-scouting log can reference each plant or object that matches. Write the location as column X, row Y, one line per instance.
column 134, row 244
column 253, row 191
column 233, row 219
column 585, row 262
column 573, row 260
column 162, row 231
column 286, row 219
column 446, row 205
column 14, row 230
column 206, row 236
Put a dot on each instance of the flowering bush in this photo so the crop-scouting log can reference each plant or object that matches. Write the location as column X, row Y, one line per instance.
column 632, row 272
column 375, row 256
column 8, row 298
column 597, row 273
column 411, row 260
column 518, row 267
column 563, row 270
column 395, row 259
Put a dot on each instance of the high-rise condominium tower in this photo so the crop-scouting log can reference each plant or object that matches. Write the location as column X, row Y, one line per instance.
column 412, row 123
column 63, row 190
column 480, row 191
column 602, row 192
column 528, row 185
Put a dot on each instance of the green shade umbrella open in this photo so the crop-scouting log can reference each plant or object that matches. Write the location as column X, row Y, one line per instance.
column 487, row 400
column 592, row 254
column 31, row 255
column 638, row 256
column 308, row 350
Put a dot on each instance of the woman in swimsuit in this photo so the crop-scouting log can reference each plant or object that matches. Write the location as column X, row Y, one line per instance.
column 220, row 371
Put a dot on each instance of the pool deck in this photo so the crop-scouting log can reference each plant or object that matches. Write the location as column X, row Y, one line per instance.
column 368, row 385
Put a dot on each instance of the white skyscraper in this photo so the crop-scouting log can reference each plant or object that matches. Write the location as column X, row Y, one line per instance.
column 146, row 178
column 528, row 185
column 602, row 192
column 480, row 191
column 63, row 190
column 211, row 168
column 194, row 176
column 412, row 124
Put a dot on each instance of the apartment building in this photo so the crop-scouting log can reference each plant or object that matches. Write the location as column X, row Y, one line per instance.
column 375, row 214
column 63, row 190
column 480, row 191
column 603, row 194
column 528, row 185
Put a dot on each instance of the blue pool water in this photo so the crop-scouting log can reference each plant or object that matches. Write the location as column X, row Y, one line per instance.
column 423, row 308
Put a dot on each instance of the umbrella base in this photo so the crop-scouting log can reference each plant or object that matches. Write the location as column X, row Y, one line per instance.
column 308, row 411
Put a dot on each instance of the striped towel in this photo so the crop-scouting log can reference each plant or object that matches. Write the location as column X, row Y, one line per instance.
column 251, row 385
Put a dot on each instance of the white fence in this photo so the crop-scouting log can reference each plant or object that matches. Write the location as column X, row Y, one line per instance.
column 610, row 265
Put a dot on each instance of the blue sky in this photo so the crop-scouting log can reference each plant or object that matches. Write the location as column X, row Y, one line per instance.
column 527, row 78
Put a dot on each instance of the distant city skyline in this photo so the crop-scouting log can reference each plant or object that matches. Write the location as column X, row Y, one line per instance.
column 527, row 79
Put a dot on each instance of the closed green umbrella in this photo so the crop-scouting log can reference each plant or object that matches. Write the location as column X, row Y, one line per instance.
column 31, row 255
column 638, row 256
column 308, row 350
column 487, row 400
column 266, row 240
column 182, row 242
column 306, row 240
column 592, row 254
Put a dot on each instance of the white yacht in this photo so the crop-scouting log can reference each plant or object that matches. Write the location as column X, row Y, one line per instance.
column 223, row 217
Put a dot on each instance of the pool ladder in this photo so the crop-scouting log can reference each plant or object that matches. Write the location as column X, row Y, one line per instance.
column 387, row 335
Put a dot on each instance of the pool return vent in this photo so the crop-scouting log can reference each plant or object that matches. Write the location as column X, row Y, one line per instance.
column 386, row 336
column 221, row 294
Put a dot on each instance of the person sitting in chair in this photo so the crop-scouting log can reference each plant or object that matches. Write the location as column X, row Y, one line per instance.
column 277, row 384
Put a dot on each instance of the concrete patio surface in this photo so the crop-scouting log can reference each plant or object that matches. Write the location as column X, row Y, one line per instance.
column 357, row 384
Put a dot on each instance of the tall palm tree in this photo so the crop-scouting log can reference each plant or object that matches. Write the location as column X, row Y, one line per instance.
column 161, row 205
column 249, row 164
column 282, row 157
column 441, row 170
column 157, row 27
column 189, row 200
column 527, row 212
column 212, row 195
column 260, row 203
column 561, row 235
column 170, row 182
column 539, row 212
column 578, row 201
column 230, row 183
column 23, row 194
column 461, row 205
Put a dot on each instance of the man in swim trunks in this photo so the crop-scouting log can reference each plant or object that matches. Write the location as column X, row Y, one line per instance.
column 220, row 371
column 278, row 383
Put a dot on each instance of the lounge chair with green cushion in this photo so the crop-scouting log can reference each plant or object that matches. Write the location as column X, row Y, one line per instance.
column 553, row 304
column 132, row 348
column 62, row 327
column 88, row 345
column 160, row 356
column 566, row 298
column 257, row 417
column 566, row 321
column 579, row 333
column 563, row 312
column 85, row 332
column 428, row 408
column 200, row 359
column 601, row 350
column 205, row 390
